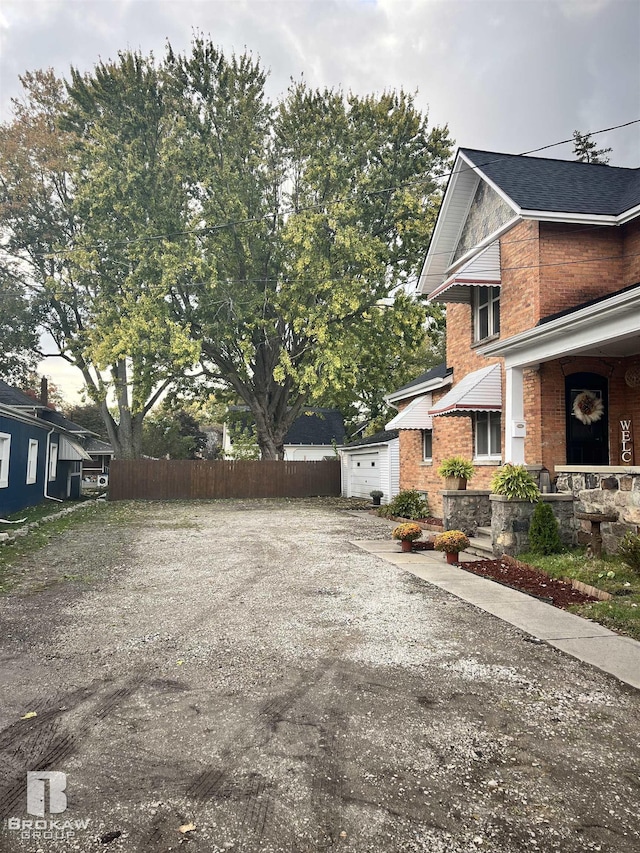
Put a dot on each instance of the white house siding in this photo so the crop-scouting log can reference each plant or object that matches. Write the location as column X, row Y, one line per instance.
column 308, row 452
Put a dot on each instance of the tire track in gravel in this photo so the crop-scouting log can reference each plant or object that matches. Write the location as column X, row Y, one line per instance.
column 251, row 794
column 46, row 740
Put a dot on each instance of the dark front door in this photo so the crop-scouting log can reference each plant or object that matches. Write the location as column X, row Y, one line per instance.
column 587, row 443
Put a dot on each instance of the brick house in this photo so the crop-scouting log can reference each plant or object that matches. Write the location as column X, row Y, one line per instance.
column 538, row 262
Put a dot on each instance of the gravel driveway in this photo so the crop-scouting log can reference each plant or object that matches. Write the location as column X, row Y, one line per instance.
column 239, row 671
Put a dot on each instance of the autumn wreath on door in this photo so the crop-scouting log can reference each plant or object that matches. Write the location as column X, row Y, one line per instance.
column 588, row 407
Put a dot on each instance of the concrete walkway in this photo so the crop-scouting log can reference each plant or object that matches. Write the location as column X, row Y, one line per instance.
column 587, row 641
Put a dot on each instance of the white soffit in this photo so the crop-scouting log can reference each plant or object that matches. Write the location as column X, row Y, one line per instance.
column 414, row 416
column 483, row 270
column 480, row 391
column 451, row 218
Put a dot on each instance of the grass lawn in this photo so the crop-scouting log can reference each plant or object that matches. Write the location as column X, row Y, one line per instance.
column 622, row 612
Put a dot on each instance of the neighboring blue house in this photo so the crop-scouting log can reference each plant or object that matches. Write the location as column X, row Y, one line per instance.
column 40, row 455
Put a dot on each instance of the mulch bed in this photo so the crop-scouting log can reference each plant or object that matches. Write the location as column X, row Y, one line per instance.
column 525, row 578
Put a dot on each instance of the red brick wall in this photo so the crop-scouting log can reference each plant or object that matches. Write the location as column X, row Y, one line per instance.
column 578, row 263
column 631, row 244
column 546, row 268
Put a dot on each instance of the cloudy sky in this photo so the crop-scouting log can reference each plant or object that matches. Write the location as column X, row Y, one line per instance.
column 505, row 75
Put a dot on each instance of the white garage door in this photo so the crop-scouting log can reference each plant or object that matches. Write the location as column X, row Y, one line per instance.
column 365, row 473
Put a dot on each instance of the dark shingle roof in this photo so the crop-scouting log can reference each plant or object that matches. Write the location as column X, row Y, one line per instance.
column 11, row 396
column 563, row 186
column 97, row 446
column 437, row 372
column 56, row 419
column 320, row 426
column 378, row 438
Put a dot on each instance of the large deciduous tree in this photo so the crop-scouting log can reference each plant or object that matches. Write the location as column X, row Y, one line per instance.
column 167, row 212
column 86, row 188
column 314, row 213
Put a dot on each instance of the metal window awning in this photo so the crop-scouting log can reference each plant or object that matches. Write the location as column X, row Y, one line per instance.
column 483, row 270
column 480, row 391
column 414, row 416
column 70, row 451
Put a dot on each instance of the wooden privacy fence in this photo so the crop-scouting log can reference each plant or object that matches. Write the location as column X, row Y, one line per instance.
column 186, row 479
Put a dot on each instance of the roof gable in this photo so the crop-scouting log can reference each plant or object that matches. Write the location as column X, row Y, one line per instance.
column 563, row 186
column 533, row 188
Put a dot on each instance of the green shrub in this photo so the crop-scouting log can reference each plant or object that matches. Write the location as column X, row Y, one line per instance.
column 407, row 504
column 456, row 466
column 515, row 483
column 629, row 550
column 544, row 536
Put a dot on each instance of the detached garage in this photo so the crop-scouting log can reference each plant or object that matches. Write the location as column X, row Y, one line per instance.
column 372, row 463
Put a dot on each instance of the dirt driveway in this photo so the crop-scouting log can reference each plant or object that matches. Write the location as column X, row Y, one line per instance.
column 241, row 669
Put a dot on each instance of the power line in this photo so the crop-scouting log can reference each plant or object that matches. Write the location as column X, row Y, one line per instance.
column 318, row 205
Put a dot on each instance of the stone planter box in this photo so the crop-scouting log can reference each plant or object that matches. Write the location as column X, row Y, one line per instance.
column 466, row 510
column 510, row 522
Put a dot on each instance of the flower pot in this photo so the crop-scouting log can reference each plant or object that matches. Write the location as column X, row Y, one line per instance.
column 452, row 557
column 375, row 500
column 458, row 483
column 405, row 544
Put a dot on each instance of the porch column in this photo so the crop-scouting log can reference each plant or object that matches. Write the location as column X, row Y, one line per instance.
column 515, row 429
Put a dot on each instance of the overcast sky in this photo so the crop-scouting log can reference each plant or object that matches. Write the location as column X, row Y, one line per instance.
column 505, row 75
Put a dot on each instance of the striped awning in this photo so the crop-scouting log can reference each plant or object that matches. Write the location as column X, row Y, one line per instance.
column 480, row 391
column 415, row 415
column 483, row 270
column 70, row 451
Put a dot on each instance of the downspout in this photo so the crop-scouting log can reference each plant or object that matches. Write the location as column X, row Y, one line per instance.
column 46, row 470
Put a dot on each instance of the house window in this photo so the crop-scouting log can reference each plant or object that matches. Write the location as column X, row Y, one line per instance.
column 32, row 462
column 5, row 452
column 427, row 445
column 486, row 312
column 53, row 461
column 488, row 435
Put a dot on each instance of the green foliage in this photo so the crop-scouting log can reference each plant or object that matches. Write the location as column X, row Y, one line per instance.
column 515, row 483
column 407, row 504
column 169, row 212
column 622, row 612
column 456, row 466
column 544, row 537
column 89, row 416
column 18, row 331
column 173, row 434
column 585, row 150
column 629, row 551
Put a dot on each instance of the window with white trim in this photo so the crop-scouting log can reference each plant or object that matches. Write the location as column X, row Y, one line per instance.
column 53, row 461
column 5, row 453
column 427, row 445
column 32, row 462
column 486, row 312
column 488, row 435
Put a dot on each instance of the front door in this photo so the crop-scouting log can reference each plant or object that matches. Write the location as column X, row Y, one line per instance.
column 587, row 413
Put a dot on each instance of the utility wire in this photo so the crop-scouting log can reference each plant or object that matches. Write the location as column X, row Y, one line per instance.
column 318, row 205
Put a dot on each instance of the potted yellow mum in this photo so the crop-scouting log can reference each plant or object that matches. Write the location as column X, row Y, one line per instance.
column 451, row 542
column 407, row 533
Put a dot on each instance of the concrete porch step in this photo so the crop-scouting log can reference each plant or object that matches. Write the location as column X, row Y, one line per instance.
column 483, row 531
column 480, row 546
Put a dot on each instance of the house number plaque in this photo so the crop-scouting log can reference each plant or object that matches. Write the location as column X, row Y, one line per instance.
column 626, row 441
